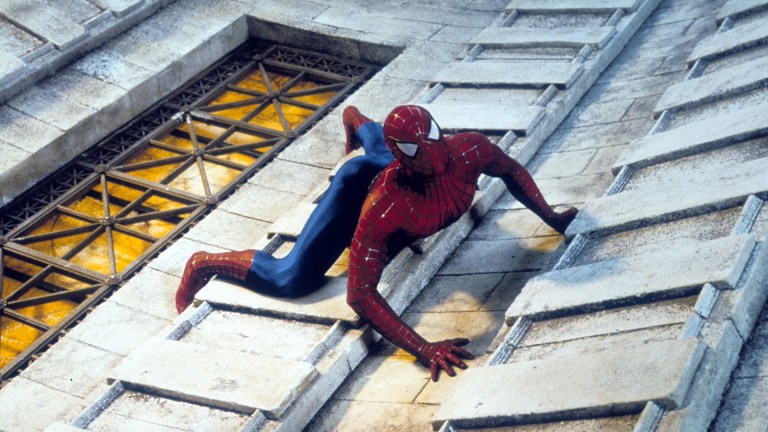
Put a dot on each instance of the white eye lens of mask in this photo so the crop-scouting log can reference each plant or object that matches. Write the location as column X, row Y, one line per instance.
column 407, row 148
column 434, row 131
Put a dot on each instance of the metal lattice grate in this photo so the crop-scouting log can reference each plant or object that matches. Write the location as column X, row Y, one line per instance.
column 71, row 241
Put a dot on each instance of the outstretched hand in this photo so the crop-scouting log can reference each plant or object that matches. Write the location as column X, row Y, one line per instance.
column 445, row 355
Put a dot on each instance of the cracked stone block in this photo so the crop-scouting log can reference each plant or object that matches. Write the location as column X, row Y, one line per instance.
column 228, row 230
column 485, row 117
column 259, row 202
column 511, row 37
column 608, row 283
column 44, row 20
column 571, row 5
column 524, row 73
column 616, row 382
column 222, row 378
column 716, row 85
column 743, row 407
column 735, row 39
column 694, row 137
column 674, row 197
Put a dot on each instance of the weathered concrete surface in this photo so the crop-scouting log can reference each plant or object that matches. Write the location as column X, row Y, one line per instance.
column 485, row 117
column 717, row 85
column 571, row 5
column 509, row 37
column 673, row 197
column 694, row 137
column 609, row 383
column 740, row 38
column 505, row 73
column 223, row 378
column 600, row 285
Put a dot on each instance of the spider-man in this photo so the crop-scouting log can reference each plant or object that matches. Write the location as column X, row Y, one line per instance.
column 430, row 184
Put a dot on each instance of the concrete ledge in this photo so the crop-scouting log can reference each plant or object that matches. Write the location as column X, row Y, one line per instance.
column 572, row 5
column 511, row 37
column 673, row 198
column 717, row 85
column 485, row 117
column 222, row 378
column 610, row 283
column 695, row 137
column 533, row 73
column 721, row 44
column 620, row 382
column 739, row 7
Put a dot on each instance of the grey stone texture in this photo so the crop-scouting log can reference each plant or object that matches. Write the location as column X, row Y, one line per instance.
column 674, row 198
column 223, row 378
column 571, row 5
column 693, row 137
column 585, row 145
column 510, row 37
column 535, row 73
column 721, row 44
column 608, row 383
column 716, row 85
column 485, row 117
column 737, row 7
column 596, row 286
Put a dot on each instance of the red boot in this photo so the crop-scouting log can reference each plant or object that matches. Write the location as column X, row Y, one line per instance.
column 353, row 119
column 202, row 266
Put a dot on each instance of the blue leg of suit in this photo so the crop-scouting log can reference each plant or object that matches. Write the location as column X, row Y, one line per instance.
column 329, row 229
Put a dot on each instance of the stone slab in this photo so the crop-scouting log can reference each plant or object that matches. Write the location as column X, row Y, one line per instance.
column 572, row 5
column 28, row 406
column 256, row 334
column 132, row 410
column 509, row 73
column 695, row 137
column 216, row 377
column 738, row 38
column 619, row 382
column 485, row 117
column 610, row 283
column 511, row 37
column 325, row 305
column 737, row 7
column 716, row 85
column 105, row 328
column 45, row 21
column 609, row 322
column 291, row 225
column 673, row 198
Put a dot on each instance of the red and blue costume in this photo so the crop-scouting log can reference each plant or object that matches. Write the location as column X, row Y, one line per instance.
column 429, row 184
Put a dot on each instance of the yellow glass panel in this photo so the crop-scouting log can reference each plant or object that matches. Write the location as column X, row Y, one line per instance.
column 60, row 246
column 204, row 130
column 155, row 227
column 316, row 98
column 295, row 115
column 235, row 157
column 95, row 256
column 241, row 138
column 157, row 173
column 182, row 143
column 268, row 118
column 15, row 337
column 93, row 206
column 237, row 113
column 218, row 176
column 255, row 81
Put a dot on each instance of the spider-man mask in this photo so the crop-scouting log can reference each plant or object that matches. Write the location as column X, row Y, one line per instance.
column 415, row 139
